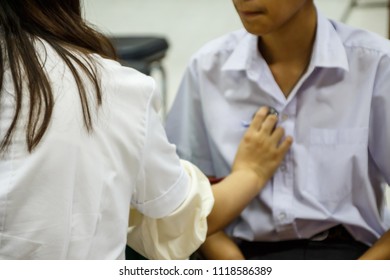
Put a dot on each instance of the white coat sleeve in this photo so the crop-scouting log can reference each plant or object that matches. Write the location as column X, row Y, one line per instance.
column 179, row 234
column 172, row 198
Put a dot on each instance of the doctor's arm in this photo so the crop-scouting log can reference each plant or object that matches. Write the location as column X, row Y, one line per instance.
column 163, row 229
column 259, row 154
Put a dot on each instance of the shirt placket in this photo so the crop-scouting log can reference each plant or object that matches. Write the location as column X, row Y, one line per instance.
column 283, row 180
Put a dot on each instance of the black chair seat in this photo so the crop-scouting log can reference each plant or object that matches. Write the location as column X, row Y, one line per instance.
column 135, row 48
column 145, row 54
column 139, row 65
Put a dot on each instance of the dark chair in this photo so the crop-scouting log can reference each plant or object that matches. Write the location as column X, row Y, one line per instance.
column 144, row 53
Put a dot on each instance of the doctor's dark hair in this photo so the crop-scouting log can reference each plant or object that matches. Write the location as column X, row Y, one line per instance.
column 60, row 24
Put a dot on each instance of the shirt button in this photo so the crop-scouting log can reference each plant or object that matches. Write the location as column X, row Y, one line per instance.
column 282, row 216
column 284, row 117
column 283, row 167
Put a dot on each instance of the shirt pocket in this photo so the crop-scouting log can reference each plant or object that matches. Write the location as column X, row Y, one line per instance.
column 337, row 159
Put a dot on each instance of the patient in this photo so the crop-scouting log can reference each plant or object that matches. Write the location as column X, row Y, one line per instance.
column 330, row 84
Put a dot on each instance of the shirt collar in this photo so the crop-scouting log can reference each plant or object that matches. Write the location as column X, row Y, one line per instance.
column 242, row 54
column 328, row 49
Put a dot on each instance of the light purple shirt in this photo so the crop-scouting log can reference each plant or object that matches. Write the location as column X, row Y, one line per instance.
column 336, row 170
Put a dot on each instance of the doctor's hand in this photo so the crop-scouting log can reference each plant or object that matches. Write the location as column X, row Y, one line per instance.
column 262, row 147
column 259, row 154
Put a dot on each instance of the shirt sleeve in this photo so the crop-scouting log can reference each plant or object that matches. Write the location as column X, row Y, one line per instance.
column 379, row 137
column 162, row 183
column 179, row 234
column 185, row 125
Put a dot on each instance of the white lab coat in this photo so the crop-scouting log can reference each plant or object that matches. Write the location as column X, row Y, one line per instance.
column 70, row 197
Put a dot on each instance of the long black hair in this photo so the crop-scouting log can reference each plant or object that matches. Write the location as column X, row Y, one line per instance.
column 60, row 24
